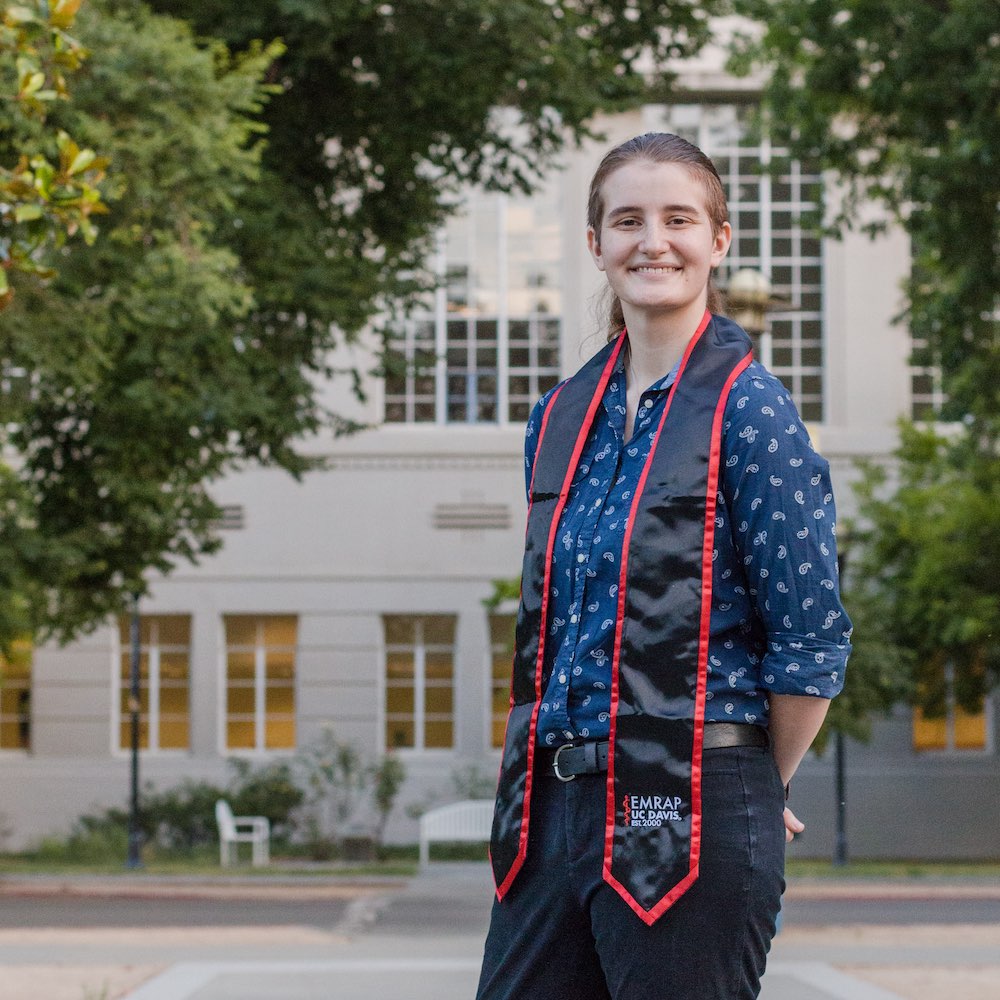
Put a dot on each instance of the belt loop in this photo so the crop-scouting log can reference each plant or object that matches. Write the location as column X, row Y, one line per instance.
column 590, row 757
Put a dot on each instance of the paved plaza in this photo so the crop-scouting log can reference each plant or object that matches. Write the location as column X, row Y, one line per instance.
column 278, row 938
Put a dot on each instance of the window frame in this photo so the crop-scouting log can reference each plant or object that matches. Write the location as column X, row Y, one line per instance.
column 259, row 649
column 118, row 686
column 419, row 650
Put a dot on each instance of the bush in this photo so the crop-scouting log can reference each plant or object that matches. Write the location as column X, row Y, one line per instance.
column 268, row 791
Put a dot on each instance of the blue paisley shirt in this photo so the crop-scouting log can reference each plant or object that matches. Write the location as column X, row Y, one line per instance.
column 777, row 624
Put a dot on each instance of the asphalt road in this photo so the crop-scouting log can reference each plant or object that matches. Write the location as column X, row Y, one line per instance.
column 423, row 916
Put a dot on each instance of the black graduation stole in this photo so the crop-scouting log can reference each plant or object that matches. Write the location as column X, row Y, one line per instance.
column 659, row 667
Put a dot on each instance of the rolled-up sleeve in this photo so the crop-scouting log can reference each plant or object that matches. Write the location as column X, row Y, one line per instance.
column 783, row 520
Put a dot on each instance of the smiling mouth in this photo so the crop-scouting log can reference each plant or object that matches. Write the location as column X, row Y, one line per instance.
column 659, row 269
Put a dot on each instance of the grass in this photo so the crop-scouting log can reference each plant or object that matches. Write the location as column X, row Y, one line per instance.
column 400, row 861
column 823, row 868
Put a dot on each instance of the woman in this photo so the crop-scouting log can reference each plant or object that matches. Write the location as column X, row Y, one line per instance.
column 679, row 636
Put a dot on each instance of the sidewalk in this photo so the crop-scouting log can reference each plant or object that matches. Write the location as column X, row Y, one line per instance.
column 421, row 940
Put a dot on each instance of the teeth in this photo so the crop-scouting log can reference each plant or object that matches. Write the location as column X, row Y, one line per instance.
column 655, row 270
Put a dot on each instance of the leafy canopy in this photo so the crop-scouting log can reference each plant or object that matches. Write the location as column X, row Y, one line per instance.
column 49, row 186
column 900, row 99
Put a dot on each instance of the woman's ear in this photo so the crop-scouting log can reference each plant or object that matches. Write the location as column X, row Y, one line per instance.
column 720, row 247
column 594, row 246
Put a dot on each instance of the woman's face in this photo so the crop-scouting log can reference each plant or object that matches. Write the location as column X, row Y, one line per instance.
column 656, row 243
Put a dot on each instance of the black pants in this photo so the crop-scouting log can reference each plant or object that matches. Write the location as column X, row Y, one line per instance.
column 562, row 933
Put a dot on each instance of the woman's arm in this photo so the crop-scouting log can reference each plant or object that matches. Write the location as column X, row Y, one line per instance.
column 794, row 723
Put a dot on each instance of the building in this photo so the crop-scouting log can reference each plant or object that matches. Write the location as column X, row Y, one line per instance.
column 356, row 598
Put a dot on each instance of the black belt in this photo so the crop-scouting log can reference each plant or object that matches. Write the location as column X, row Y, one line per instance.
column 570, row 759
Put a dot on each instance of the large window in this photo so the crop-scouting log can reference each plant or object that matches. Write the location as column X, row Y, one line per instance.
column 769, row 234
column 15, row 698
column 949, row 727
column 501, row 657
column 419, row 681
column 487, row 346
column 260, row 682
column 164, row 689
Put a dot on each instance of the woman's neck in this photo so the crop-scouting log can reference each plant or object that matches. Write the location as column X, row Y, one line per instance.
column 655, row 347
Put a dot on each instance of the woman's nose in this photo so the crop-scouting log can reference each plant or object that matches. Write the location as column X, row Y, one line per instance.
column 655, row 239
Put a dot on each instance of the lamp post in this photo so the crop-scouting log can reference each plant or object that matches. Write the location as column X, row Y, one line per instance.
column 748, row 297
column 839, row 747
column 134, row 859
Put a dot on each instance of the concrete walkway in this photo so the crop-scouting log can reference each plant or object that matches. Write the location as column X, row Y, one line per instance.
column 326, row 939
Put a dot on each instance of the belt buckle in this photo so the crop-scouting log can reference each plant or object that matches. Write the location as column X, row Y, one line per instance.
column 555, row 763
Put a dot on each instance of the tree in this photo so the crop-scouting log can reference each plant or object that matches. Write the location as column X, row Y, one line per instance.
column 137, row 390
column 898, row 100
column 387, row 109
column 928, row 574
column 192, row 336
column 49, row 186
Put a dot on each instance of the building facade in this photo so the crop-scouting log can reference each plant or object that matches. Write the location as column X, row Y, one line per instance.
column 355, row 598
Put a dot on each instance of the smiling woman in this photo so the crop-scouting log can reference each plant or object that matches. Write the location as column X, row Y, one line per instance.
column 679, row 635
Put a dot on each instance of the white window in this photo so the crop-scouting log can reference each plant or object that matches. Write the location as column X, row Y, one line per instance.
column 164, row 682
column 15, row 697
column 926, row 395
column 769, row 234
column 260, row 682
column 487, row 346
column 419, row 681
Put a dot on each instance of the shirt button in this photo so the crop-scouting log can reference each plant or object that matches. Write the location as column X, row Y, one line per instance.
column 581, row 558
column 647, row 402
column 562, row 678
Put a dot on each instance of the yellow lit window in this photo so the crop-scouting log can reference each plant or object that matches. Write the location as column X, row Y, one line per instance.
column 501, row 656
column 953, row 728
column 15, row 697
column 260, row 681
column 164, row 682
column 419, row 681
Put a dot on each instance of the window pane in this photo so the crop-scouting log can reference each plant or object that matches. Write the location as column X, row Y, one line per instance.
column 126, row 734
column 929, row 733
column 240, row 734
column 399, row 733
column 280, row 630
column 438, row 735
column 280, row 734
column 439, row 629
column 497, row 731
column 240, row 701
column 438, row 700
column 400, row 700
column 240, row 666
column 174, row 734
column 280, row 665
column 279, row 700
column 173, row 630
column 438, row 666
column 398, row 629
column 241, row 630
column 970, row 730
column 399, row 666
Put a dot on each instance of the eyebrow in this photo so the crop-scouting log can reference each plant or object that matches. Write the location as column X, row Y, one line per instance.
column 628, row 209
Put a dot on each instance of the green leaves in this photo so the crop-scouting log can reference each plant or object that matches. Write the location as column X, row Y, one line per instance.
column 899, row 99
column 41, row 204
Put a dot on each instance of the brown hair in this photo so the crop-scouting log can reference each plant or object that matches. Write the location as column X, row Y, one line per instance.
column 658, row 147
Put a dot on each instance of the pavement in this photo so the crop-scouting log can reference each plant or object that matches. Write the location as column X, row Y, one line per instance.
column 139, row 937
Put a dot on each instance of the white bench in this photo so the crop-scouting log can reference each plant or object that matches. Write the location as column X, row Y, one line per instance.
column 467, row 821
column 235, row 830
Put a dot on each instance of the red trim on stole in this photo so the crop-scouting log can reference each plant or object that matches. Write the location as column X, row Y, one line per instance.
column 581, row 440
column 650, row 916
